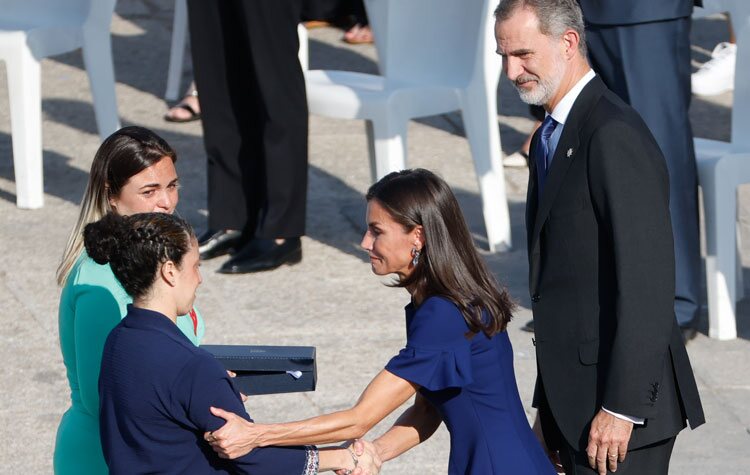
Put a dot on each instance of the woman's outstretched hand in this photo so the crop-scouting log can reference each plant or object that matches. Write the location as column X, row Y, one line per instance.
column 235, row 438
column 369, row 461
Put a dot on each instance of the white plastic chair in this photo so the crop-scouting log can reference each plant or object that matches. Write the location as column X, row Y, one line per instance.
column 34, row 29
column 177, row 49
column 722, row 167
column 436, row 56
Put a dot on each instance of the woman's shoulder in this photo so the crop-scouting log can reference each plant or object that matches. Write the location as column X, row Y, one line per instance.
column 87, row 271
column 86, row 275
column 437, row 319
column 438, row 306
column 198, row 364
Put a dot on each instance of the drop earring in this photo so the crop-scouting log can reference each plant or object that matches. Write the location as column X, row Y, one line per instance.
column 415, row 252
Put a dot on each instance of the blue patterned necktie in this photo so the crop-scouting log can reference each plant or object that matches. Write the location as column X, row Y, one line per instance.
column 542, row 157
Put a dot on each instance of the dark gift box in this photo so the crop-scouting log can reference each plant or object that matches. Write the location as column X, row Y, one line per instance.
column 268, row 369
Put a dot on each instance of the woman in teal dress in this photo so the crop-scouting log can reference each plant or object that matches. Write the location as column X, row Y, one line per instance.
column 133, row 172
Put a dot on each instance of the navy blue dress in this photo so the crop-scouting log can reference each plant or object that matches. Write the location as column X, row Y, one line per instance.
column 155, row 390
column 471, row 383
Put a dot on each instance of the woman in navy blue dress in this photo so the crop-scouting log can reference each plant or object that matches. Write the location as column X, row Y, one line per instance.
column 457, row 359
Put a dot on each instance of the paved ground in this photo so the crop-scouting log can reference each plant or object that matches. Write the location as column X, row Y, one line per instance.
column 331, row 300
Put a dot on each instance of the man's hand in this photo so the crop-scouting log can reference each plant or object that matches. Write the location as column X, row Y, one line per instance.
column 235, row 438
column 608, row 442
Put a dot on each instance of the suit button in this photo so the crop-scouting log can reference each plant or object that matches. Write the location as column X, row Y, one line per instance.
column 535, row 298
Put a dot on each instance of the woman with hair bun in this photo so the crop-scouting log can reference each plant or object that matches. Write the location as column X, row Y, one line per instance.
column 156, row 387
column 132, row 172
column 458, row 359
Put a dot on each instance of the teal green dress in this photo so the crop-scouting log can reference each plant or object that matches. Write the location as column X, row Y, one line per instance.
column 92, row 302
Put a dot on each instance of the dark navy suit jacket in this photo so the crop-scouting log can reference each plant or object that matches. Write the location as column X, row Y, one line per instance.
column 627, row 12
column 155, row 391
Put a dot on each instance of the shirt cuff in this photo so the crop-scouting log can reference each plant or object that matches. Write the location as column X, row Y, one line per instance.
column 634, row 420
column 312, row 460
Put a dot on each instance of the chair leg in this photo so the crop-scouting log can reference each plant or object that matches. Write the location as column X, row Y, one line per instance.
column 304, row 49
column 720, row 204
column 97, row 57
column 739, row 288
column 386, row 139
column 24, row 88
column 480, row 121
column 177, row 50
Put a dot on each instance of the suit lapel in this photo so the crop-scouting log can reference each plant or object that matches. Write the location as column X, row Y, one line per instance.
column 565, row 153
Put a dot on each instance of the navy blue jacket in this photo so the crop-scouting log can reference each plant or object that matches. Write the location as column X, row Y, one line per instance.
column 628, row 12
column 155, row 391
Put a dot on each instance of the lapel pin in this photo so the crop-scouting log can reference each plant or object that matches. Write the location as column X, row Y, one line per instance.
column 570, row 152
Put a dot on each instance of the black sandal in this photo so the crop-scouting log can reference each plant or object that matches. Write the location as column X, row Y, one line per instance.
column 185, row 106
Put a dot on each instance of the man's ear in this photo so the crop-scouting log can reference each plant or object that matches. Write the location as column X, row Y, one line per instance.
column 168, row 272
column 571, row 39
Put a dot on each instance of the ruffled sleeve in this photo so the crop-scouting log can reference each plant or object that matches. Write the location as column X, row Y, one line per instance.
column 437, row 353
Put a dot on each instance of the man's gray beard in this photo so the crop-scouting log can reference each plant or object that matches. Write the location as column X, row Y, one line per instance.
column 541, row 94
column 545, row 88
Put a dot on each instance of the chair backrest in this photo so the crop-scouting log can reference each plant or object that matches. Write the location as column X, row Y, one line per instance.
column 83, row 12
column 44, row 11
column 430, row 41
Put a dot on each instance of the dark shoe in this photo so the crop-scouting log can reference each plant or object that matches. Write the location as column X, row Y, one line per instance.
column 217, row 243
column 688, row 333
column 263, row 254
column 529, row 327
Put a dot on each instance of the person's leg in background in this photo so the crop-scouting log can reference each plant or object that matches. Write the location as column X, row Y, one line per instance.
column 657, row 85
column 520, row 159
column 360, row 32
column 216, row 40
column 281, row 120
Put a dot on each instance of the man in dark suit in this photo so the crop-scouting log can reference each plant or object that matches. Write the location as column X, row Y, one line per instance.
column 614, row 384
column 641, row 50
column 254, row 112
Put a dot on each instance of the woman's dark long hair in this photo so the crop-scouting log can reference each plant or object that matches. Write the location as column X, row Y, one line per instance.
column 135, row 245
column 449, row 264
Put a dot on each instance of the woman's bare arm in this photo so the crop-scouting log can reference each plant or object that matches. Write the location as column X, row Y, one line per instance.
column 385, row 393
column 413, row 427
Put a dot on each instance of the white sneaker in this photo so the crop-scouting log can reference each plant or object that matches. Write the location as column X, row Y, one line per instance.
column 717, row 75
column 516, row 160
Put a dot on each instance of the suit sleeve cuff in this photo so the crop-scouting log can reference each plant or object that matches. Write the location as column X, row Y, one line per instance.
column 634, row 420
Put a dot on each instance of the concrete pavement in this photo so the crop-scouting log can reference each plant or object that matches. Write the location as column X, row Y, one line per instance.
column 331, row 300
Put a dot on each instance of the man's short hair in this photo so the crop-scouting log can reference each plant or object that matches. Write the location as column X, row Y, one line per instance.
column 555, row 17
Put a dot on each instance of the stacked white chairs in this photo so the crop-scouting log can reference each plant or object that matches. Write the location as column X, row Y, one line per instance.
column 722, row 167
column 435, row 56
column 177, row 49
column 34, row 29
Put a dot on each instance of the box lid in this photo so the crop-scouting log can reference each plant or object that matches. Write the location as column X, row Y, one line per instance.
column 264, row 358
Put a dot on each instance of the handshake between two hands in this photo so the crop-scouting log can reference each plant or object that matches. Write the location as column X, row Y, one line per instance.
column 365, row 456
